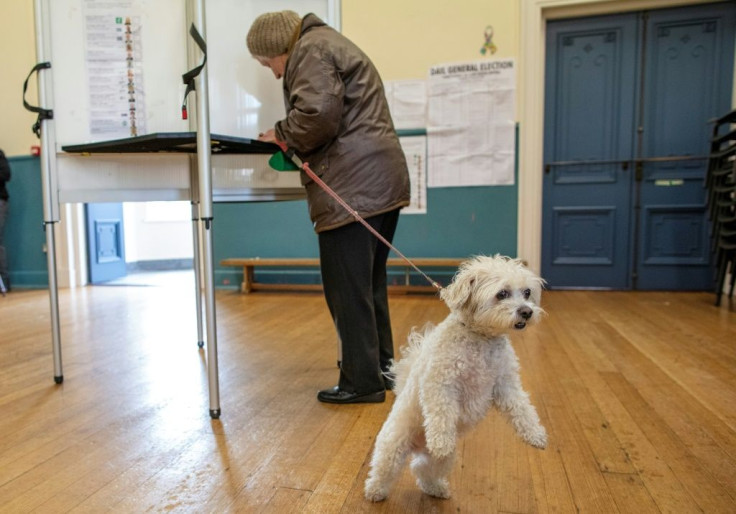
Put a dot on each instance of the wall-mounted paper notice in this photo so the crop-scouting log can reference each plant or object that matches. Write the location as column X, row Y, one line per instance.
column 407, row 100
column 415, row 149
column 471, row 123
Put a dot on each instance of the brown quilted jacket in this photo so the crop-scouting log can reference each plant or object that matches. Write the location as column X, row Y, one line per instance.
column 338, row 121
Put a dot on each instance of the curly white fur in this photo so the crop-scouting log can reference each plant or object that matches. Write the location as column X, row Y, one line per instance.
column 450, row 375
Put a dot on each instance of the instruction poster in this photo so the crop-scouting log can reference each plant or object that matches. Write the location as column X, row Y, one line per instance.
column 471, row 123
column 415, row 150
column 114, row 61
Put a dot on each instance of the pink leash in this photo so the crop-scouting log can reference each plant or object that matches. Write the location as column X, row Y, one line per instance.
column 305, row 167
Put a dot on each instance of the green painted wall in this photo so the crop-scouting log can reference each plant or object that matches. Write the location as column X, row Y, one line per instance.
column 460, row 222
column 24, row 235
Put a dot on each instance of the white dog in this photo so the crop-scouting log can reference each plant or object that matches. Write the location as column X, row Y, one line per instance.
column 450, row 376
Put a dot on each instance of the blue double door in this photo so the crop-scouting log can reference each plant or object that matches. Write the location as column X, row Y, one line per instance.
column 628, row 99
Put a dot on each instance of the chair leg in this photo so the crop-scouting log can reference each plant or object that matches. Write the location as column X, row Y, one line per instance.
column 722, row 266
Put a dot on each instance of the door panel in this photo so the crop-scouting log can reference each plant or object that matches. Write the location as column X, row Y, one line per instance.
column 105, row 242
column 682, row 46
column 585, row 235
column 588, row 145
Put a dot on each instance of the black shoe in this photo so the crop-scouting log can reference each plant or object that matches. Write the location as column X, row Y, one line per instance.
column 337, row 395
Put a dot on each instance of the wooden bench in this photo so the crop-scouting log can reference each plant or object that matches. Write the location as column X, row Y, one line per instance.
column 249, row 264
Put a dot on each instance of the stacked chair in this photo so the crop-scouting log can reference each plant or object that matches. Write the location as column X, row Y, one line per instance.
column 720, row 185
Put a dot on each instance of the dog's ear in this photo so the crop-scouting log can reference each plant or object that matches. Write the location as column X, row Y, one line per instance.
column 457, row 294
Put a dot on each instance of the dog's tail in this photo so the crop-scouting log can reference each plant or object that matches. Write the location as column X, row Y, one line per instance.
column 399, row 370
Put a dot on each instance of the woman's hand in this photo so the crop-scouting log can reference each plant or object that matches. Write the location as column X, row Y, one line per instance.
column 269, row 136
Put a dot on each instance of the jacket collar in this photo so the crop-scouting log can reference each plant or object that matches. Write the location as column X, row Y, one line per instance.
column 309, row 22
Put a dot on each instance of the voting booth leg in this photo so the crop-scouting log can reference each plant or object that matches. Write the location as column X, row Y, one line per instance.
column 204, row 181
column 54, row 299
column 197, row 273
column 209, row 286
column 49, row 186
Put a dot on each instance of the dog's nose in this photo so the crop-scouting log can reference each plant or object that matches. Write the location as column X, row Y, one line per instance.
column 525, row 312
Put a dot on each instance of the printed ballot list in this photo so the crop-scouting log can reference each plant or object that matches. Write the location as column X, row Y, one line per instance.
column 113, row 49
column 471, row 112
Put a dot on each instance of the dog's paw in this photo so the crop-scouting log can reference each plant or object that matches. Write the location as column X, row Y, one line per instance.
column 537, row 437
column 374, row 492
column 438, row 489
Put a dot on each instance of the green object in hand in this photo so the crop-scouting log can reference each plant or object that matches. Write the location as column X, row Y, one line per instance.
column 281, row 162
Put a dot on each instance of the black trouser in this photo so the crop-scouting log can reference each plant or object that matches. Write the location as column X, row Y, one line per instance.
column 353, row 266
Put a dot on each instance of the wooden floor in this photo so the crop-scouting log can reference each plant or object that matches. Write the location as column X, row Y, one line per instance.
column 637, row 391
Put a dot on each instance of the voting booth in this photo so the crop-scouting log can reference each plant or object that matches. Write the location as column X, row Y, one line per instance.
column 157, row 100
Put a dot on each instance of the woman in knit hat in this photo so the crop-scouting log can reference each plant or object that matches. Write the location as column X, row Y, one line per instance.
column 337, row 120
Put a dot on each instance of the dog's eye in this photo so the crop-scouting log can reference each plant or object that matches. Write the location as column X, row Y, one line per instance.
column 501, row 295
column 527, row 293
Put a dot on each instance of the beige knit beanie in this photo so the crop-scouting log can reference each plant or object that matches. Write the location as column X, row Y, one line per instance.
column 272, row 33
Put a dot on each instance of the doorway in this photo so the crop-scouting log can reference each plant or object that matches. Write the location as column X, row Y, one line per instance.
column 625, row 143
column 137, row 238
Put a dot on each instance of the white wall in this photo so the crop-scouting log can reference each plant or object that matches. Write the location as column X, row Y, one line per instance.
column 157, row 231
